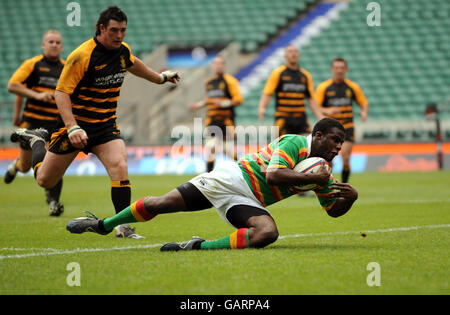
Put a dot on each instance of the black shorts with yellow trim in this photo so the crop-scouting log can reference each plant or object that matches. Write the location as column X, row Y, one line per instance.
column 225, row 124
column 60, row 143
column 349, row 134
column 292, row 124
column 31, row 124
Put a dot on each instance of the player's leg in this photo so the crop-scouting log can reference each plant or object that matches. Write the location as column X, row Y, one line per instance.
column 51, row 169
column 210, row 148
column 21, row 164
column 255, row 228
column 113, row 156
column 48, row 176
column 229, row 139
column 147, row 208
column 280, row 123
column 143, row 210
column 49, row 173
column 48, row 167
column 214, row 134
column 346, row 152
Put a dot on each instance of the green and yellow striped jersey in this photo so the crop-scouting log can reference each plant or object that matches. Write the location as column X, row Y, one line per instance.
column 284, row 152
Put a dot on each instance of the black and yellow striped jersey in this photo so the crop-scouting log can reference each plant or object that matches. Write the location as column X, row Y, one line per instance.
column 221, row 87
column 341, row 95
column 39, row 74
column 93, row 76
column 291, row 88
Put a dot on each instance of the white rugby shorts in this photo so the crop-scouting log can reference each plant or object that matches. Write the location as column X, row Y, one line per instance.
column 226, row 187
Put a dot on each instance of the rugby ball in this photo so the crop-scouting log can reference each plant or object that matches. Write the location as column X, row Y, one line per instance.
column 310, row 166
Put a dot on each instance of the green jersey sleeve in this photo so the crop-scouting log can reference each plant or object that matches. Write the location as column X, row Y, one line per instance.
column 288, row 151
column 323, row 195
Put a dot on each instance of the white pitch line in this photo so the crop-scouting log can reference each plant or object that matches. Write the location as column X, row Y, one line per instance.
column 400, row 229
column 51, row 251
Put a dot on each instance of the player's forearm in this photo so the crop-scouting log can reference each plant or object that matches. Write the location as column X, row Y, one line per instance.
column 288, row 177
column 264, row 101
column 341, row 207
column 346, row 195
column 365, row 112
column 64, row 105
column 139, row 69
column 315, row 108
column 22, row 90
column 18, row 101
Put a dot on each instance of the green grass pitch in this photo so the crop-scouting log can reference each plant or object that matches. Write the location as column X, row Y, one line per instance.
column 405, row 217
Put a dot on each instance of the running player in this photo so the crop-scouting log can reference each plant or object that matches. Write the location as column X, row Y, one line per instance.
column 222, row 96
column 292, row 85
column 241, row 191
column 86, row 96
column 339, row 93
column 36, row 80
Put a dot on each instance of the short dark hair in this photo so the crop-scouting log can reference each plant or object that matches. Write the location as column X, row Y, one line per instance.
column 326, row 124
column 111, row 13
column 339, row 59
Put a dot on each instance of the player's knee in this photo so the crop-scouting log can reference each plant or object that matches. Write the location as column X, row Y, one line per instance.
column 120, row 165
column 270, row 236
column 24, row 168
column 264, row 236
column 46, row 181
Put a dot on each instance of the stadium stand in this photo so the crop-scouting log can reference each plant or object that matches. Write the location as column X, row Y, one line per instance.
column 151, row 23
column 401, row 65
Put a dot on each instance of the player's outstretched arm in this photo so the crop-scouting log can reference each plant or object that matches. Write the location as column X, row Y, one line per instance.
column 18, row 102
column 263, row 104
column 139, row 69
column 22, row 90
column 289, row 177
column 346, row 195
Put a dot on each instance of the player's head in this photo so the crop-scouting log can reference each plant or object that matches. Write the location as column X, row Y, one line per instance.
column 218, row 65
column 291, row 55
column 327, row 138
column 339, row 68
column 111, row 27
column 52, row 46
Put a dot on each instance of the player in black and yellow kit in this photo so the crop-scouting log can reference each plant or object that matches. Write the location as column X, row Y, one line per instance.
column 222, row 96
column 339, row 93
column 36, row 80
column 86, row 96
column 292, row 86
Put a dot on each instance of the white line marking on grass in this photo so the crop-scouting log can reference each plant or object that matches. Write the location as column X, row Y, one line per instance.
column 51, row 251
column 15, row 249
column 80, row 250
column 400, row 229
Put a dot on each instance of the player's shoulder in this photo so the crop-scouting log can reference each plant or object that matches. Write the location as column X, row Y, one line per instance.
column 82, row 52
column 84, row 48
column 229, row 78
column 278, row 70
column 210, row 79
column 127, row 46
column 33, row 60
column 305, row 72
column 353, row 85
column 325, row 84
column 294, row 139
